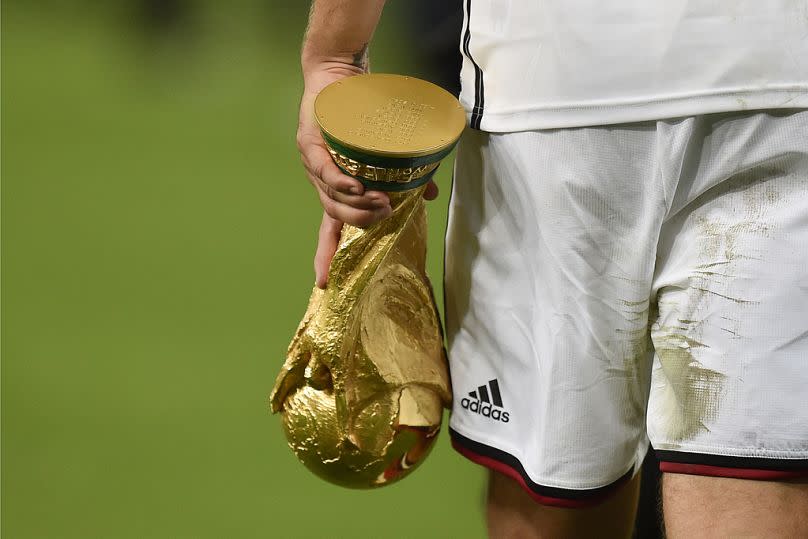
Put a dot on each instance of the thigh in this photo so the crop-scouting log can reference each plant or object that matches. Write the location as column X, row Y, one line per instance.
column 728, row 393
column 698, row 506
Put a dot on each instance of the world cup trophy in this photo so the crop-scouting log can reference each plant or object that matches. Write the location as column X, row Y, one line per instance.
column 362, row 391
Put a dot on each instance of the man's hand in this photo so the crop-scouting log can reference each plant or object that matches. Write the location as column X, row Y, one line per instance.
column 343, row 198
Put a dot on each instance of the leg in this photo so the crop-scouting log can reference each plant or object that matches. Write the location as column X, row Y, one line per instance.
column 512, row 513
column 698, row 506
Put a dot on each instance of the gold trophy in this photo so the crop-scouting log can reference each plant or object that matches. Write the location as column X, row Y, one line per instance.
column 362, row 391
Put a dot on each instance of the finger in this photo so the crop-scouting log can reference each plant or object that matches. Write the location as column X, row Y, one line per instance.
column 319, row 164
column 369, row 200
column 353, row 216
column 328, row 241
column 431, row 191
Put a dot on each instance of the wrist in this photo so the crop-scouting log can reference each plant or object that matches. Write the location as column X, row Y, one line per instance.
column 354, row 62
column 318, row 74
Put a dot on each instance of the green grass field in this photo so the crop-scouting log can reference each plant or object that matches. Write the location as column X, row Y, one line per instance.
column 157, row 236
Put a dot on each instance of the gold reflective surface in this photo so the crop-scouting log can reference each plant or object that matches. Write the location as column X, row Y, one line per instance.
column 380, row 174
column 362, row 391
column 390, row 115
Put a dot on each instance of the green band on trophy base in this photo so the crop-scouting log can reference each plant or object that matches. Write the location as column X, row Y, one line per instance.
column 391, row 186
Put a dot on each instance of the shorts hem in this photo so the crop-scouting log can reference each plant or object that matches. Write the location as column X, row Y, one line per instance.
column 757, row 468
column 506, row 464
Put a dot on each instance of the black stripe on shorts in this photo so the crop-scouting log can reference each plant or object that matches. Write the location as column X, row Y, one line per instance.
column 723, row 461
column 501, row 459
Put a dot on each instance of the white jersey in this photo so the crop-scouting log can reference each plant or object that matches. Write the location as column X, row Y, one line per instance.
column 540, row 64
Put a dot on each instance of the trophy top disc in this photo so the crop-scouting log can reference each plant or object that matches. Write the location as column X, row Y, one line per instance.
column 389, row 116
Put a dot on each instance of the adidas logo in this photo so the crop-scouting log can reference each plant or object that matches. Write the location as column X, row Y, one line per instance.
column 480, row 402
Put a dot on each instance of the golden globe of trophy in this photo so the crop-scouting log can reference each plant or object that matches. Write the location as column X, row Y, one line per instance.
column 362, row 391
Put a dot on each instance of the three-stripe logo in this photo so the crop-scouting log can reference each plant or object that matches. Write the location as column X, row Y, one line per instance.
column 486, row 403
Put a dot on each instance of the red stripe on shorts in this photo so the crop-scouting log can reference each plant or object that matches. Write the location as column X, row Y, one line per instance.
column 737, row 473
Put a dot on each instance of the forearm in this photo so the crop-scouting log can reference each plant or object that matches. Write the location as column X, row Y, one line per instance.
column 339, row 32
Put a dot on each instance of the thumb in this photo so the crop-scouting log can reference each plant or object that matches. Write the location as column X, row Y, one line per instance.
column 330, row 230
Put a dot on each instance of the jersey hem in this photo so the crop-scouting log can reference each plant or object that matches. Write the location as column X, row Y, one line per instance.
column 606, row 113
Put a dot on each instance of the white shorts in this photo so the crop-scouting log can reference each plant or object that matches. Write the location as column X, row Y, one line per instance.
column 610, row 285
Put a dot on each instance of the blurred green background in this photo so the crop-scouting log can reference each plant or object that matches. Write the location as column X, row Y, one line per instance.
column 157, row 235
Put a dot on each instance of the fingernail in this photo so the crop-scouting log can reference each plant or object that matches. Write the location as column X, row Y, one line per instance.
column 356, row 190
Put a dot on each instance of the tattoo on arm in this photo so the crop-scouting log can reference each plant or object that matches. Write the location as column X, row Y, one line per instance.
column 360, row 58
